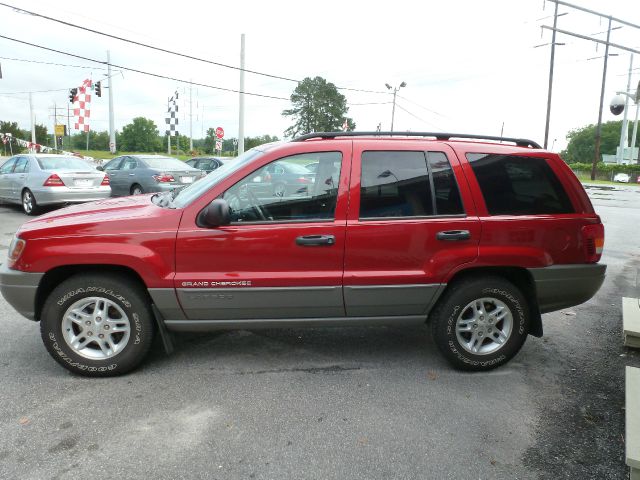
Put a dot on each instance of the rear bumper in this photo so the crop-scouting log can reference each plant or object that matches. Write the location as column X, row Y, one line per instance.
column 55, row 195
column 19, row 289
column 562, row 286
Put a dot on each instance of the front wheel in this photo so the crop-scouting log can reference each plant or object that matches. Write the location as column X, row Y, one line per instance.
column 480, row 323
column 97, row 325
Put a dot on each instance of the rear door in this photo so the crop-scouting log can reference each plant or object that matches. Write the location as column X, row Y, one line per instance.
column 281, row 257
column 17, row 177
column 411, row 222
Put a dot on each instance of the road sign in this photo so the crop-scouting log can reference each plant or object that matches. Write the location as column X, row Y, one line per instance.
column 60, row 130
column 220, row 132
column 218, row 145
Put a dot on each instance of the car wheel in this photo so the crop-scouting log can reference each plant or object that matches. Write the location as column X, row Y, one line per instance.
column 29, row 205
column 480, row 323
column 97, row 325
column 279, row 190
column 136, row 189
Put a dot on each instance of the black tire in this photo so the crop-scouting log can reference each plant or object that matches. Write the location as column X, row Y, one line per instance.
column 457, row 310
column 136, row 189
column 126, row 304
column 29, row 204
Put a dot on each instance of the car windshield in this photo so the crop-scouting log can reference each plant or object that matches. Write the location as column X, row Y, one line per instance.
column 63, row 163
column 165, row 163
column 187, row 195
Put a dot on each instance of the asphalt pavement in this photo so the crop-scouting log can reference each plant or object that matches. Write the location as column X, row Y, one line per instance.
column 335, row 403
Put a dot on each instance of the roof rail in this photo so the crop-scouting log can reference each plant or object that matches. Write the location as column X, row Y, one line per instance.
column 520, row 142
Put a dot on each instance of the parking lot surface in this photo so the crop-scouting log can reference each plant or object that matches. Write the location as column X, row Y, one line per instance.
column 334, row 403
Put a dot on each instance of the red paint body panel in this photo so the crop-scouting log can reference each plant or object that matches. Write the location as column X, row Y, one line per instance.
column 130, row 232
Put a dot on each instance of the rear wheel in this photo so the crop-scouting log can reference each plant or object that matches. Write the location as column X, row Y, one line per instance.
column 480, row 323
column 97, row 325
column 136, row 189
column 29, row 204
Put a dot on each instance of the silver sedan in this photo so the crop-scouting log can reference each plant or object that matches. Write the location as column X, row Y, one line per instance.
column 34, row 180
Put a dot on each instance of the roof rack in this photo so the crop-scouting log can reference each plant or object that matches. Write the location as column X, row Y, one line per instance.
column 520, row 142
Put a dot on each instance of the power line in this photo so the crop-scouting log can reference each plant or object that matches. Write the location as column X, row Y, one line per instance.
column 157, row 75
column 50, row 63
column 370, row 103
column 171, row 52
column 424, row 108
column 417, row 117
column 35, row 91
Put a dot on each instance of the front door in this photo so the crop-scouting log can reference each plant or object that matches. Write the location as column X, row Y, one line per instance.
column 116, row 176
column 410, row 223
column 281, row 257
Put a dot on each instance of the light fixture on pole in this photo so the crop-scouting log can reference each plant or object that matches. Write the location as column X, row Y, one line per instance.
column 395, row 90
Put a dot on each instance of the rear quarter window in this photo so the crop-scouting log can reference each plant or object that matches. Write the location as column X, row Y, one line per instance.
column 518, row 185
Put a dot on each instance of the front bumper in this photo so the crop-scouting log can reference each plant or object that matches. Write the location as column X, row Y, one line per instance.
column 562, row 286
column 19, row 289
column 56, row 195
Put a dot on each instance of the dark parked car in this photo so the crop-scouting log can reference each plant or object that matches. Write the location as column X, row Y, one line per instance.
column 136, row 174
column 284, row 178
column 207, row 164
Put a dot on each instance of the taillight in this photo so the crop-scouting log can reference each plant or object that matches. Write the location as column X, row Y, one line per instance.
column 593, row 238
column 303, row 180
column 53, row 181
column 267, row 177
column 105, row 181
column 164, row 178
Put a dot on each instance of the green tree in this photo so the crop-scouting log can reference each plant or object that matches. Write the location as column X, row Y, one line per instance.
column 16, row 132
column 317, row 106
column 250, row 142
column 141, row 135
column 581, row 146
column 42, row 137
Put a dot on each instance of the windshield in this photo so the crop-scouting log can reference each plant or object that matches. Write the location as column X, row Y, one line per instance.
column 63, row 163
column 166, row 163
column 187, row 195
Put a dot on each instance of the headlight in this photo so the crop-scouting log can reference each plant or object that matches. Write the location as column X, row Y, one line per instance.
column 15, row 249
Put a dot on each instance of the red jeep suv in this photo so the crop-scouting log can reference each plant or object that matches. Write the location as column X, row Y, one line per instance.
column 478, row 236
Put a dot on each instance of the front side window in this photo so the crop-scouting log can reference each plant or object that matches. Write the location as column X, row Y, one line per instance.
column 7, row 167
column 113, row 164
column 513, row 185
column 284, row 190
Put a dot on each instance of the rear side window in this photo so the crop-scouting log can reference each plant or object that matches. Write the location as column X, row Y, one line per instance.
column 407, row 184
column 513, row 185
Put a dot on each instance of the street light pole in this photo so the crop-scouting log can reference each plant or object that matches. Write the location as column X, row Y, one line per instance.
column 395, row 91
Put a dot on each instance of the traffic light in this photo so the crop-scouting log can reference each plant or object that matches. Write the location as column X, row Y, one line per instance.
column 98, row 89
column 72, row 94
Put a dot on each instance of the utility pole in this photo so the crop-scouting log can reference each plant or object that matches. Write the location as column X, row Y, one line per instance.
column 33, row 124
column 112, row 131
column 55, row 121
column 395, row 91
column 624, row 131
column 190, row 117
column 553, row 55
column 241, row 114
column 598, row 139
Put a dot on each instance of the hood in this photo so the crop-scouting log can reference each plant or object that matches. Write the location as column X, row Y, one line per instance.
column 110, row 216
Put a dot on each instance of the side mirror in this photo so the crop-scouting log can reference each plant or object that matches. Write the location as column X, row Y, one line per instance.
column 100, row 168
column 216, row 214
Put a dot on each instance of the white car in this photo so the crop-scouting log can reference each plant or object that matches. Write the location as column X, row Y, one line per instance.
column 622, row 178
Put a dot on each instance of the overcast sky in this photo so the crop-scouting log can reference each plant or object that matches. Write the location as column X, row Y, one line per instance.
column 469, row 65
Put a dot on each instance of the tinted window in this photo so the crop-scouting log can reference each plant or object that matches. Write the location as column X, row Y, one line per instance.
column 513, row 185
column 283, row 190
column 395, row 184
column 445, row 187
column 7, row 167
column 113, row 164
column 21, row 165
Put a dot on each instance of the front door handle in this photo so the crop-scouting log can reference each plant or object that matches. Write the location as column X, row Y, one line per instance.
column 453, row 235
column 132, row 174
column 315, row 240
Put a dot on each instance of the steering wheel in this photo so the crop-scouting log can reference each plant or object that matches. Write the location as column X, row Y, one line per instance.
column 255, row 203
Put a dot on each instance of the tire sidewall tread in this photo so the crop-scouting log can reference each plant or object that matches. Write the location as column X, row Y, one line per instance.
column 129, row 296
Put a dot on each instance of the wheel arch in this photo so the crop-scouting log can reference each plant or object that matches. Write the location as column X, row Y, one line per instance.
column 57, row 275
column 520, row 277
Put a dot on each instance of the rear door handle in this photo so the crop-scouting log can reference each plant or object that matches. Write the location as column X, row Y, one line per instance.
column 315, row 240
column 453, row 235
